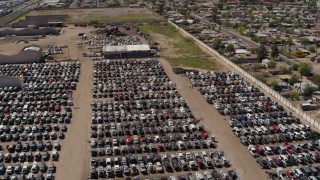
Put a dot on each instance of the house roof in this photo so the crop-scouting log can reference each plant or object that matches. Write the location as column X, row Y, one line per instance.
column 241, row 51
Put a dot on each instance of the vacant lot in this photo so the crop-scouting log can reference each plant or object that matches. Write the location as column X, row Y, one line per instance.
column 102, row 15
column 178, row 50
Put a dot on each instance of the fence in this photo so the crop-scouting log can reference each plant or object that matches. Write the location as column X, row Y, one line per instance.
column 262, row 85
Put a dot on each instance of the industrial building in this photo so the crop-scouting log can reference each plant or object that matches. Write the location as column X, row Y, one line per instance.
column 127, row 51
column 30, row 54
column 28, row 32
column 9, row 81
column 41, row 21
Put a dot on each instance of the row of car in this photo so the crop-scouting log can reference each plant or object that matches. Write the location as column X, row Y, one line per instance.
column 28, row 170
column 157, row 163
column 34, row 117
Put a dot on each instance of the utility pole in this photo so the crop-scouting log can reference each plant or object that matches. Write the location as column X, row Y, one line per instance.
column 68, row 53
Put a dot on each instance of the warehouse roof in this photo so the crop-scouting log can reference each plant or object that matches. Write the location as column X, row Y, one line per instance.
column 126, row 48
column 28, row 32
column 9, row 81
column 27, row 56
column 142, row 47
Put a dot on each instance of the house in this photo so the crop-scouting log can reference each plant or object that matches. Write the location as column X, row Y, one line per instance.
column 304, row 84
column 261, row 35
column 265, row 62
column 241, row 51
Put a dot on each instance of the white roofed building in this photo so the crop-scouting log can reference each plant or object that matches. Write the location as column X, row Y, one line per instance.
column 127, row 51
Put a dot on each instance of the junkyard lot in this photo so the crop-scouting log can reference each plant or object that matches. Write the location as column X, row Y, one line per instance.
column 74, row 157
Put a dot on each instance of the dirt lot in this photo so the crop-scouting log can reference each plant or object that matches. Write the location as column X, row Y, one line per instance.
column 100, row 14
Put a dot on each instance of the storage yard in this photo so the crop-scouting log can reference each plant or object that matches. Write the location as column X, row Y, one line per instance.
column 81, row 116
column 276, row 138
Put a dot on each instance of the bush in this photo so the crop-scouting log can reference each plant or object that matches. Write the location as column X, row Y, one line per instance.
column 312, row 49
column 274, row 84
column 272, row 64
column 316, row 79
column 295, row 67
column 284, row 70
column 305, row 69
column 294, row 95
column 293, row 80
column 261, row 78
column 93, row 22
column 308, row 90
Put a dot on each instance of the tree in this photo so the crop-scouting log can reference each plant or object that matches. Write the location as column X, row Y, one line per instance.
column 305, row 69
column 274, row 51
column 283, row 70
column 272, row 64
column 312, row 49
column 294, row 95
column 217, row 44
column 316, row 79
column 219, row 6
column 295, row 67
column 304, row 41
column 230, row 48
column 241, row 29
column 289, row 43
column 308, row 90
column 185, row 23
column 293, row 80
column 262, row 52
column 274, row 84
column 160, row 9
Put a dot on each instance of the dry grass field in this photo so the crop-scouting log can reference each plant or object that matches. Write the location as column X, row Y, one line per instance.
column 103, row 15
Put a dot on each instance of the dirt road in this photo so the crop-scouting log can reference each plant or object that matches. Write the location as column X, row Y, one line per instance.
column 74, row 159
column 242, row 161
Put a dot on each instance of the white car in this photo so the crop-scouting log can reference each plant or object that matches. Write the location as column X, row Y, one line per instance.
column 216, row 106
column 199, row 176
column 207, row 175
column 253, row 151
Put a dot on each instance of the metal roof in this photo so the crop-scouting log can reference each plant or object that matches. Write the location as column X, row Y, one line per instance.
column 126, row 48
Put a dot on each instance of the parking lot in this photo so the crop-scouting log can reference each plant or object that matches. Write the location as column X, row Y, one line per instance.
column 34, row 120
column 277, row 139
column 143, row 126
